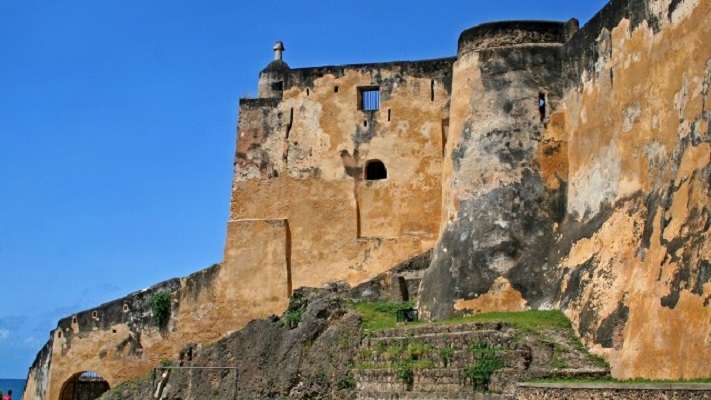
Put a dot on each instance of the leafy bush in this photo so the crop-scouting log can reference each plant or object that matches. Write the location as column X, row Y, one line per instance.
column 405, row 373
column 292, row 318
column 417, row 350
column 160, row 305
column 486, row 362
column 446, row 353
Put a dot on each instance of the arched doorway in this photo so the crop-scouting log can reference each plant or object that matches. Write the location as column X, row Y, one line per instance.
column 87, row 385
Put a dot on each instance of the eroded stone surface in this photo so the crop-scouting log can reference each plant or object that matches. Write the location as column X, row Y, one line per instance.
column 625, row 249
column 596, row 202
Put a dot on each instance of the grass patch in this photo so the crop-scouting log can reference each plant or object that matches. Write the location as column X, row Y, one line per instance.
column 379, row 315
column 530, row 321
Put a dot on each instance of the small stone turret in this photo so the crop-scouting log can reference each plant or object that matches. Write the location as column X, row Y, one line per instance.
column 278, row 50
column 272, row 79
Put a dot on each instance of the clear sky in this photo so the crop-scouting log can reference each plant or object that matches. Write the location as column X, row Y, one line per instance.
column 117, row 130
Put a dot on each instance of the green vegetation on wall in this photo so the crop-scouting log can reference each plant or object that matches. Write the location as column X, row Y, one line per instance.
column 446, row 353
column 379, row 315
column 292, row 318
column 486, row 361
column 160, row 305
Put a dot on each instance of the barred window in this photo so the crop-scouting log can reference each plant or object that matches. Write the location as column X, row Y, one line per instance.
column 369, row 98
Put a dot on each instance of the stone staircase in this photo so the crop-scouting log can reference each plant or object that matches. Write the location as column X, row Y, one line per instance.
column 465, row 361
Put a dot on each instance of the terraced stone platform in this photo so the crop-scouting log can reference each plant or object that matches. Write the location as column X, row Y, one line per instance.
column 465, row 361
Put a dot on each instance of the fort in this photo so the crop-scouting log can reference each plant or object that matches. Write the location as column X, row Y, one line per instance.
column 545, row 166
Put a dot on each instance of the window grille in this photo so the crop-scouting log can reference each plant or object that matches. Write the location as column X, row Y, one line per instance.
column 370, row 99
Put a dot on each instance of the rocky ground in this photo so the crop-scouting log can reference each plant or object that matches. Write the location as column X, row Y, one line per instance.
column 333, row 344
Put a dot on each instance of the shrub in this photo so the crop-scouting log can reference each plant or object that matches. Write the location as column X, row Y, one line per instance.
column 160, row 305
column 404, row 372
column 417, row 350
column 292, row 318
column 486, row 362
column 446, row 353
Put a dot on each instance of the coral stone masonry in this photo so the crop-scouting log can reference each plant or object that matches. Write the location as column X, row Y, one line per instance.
column 544, row 166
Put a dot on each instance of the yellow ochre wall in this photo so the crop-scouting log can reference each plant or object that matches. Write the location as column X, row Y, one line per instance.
column 301, row 215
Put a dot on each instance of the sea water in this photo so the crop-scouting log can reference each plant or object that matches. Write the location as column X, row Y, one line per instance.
column 16, row 385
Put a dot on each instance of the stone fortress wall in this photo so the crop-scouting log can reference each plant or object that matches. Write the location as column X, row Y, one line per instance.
column 604, row 209
column 548, row 166
column 302, row 214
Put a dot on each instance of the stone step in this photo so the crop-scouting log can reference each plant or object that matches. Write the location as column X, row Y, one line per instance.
column 386, row 380
column 429, row 380
column 579, row 373
column 459, row 358
column 445, row 334
column 439, row 329
column 463, row 395
column 459, row 340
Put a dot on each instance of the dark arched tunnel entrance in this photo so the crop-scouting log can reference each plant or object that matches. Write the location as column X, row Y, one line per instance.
column 87, row 385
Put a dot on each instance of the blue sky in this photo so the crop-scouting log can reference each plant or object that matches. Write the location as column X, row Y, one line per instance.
column 117, row 130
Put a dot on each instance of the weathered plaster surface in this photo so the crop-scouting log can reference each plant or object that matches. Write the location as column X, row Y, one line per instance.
column 310, row 150
column 639, row 154
column 601, row 208
column 625, row 244
column 302, row 214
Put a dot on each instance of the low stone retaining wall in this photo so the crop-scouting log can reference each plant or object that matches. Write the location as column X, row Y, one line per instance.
column 612, row 391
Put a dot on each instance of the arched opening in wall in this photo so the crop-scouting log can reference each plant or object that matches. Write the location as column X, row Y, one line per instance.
column 375, row 170
column 87, row 385
column 404, row 291
column 278, row 86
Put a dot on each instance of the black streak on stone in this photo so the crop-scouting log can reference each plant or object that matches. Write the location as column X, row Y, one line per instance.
column 614, row 323
column 574, row 286
column 677, row 284
column 703, row 275
column 651, row 206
